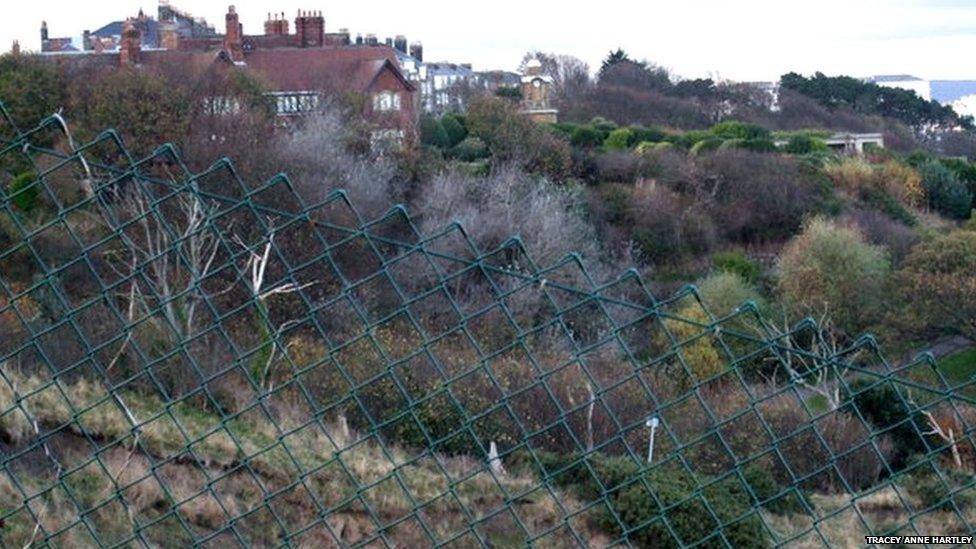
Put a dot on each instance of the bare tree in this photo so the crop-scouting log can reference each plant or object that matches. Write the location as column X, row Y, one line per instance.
column 812, row 364
column 256, row 281
column 570, row 75
column 171, row 247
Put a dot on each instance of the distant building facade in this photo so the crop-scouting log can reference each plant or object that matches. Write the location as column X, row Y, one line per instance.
column 299, row 67
column 921, row 87
column 536, row 94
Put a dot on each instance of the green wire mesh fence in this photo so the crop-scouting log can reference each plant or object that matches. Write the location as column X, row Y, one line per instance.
column 186, row 359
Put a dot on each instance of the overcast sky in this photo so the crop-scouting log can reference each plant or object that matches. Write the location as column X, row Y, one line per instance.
column 741, row 40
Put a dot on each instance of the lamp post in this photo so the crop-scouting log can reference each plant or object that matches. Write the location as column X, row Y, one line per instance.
column 651, row 422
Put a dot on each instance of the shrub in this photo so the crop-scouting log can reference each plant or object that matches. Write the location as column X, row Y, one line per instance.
column 637, row 499
column 736, row 262
column 757, row 196
column 23, row 193
column 760, row 145
column 728, row 515
column 616, row 203
column 830, row 269
column 805, row 144
column 509, row 92
column 586, row 137
column 456, row 131
column 706, row 145
column 432, row 133
column 732, row 129
column 836, row 438
column 724, row 291
column 880, row 229
column 470, row 149
column 939, row 280
column 943, row 190
column 903, row 182
column 701, row 359
column 944, row 492
column 640, row 134
column 890, row 412
column 619, row 139
column 603, row 125
column 617, row 166
column 512, row 138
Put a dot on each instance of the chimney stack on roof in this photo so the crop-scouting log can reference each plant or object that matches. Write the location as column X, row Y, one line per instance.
column 310, row 27
column 233, row 36
column 131, row 43
column 43, row 31
column 371, row 40
column 276, row 25
column 169, row 37
column 15, row 48
column 417, row 51
column 400, row 43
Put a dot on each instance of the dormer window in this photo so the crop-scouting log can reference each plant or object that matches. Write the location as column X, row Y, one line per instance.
column 386, row 101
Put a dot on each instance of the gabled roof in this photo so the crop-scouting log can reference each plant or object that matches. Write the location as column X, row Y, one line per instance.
column 300, row 69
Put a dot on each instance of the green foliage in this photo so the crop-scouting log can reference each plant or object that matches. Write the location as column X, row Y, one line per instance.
column 24, row 194
column 759, row 144
column 944, row 191
column 509, row 92
column 872, row 99
column 619, row 139
column 638, row 499
column 587, row 137
column 616, row 204
column 666, row 509
column 613, row 58
column 939, row 279
column 470, row 149
column 688, row 139
column 432, row 132
column 603, row 125
column 805, row 144
column 146, row 108
column 513, row 138
column 940, row 488
column 31, row 89
column 706, row 145
column 732, row 129
column 830, row 269
column 456, row 132
column 724, row 291
column 642, row 134
column 736, row 262
column 890, row 411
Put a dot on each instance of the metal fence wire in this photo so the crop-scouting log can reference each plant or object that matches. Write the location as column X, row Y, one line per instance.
column 189, row 359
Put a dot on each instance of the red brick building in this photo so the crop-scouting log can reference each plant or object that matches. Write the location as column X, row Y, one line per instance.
column 298, row 69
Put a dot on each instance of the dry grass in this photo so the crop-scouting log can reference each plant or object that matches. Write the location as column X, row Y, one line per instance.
column 208, row 471
column 843, row 521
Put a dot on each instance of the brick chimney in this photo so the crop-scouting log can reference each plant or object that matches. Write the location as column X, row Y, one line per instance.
column 310, row 27
column 417, row 51
column 276, row 25
column 400, row 43
column 169, row 38
column 131, row 43
column 234, row 37
column 15, row 48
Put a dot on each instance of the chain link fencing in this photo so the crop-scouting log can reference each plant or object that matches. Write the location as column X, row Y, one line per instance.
column 190, row 359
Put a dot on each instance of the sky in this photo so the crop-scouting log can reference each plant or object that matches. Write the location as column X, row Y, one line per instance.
column 745, row 40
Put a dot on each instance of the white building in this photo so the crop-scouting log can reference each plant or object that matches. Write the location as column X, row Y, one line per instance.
column 922, row 88
column 965, row 105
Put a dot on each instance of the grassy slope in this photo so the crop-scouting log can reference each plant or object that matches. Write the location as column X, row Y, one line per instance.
column 190, row 473
column 193, row 476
